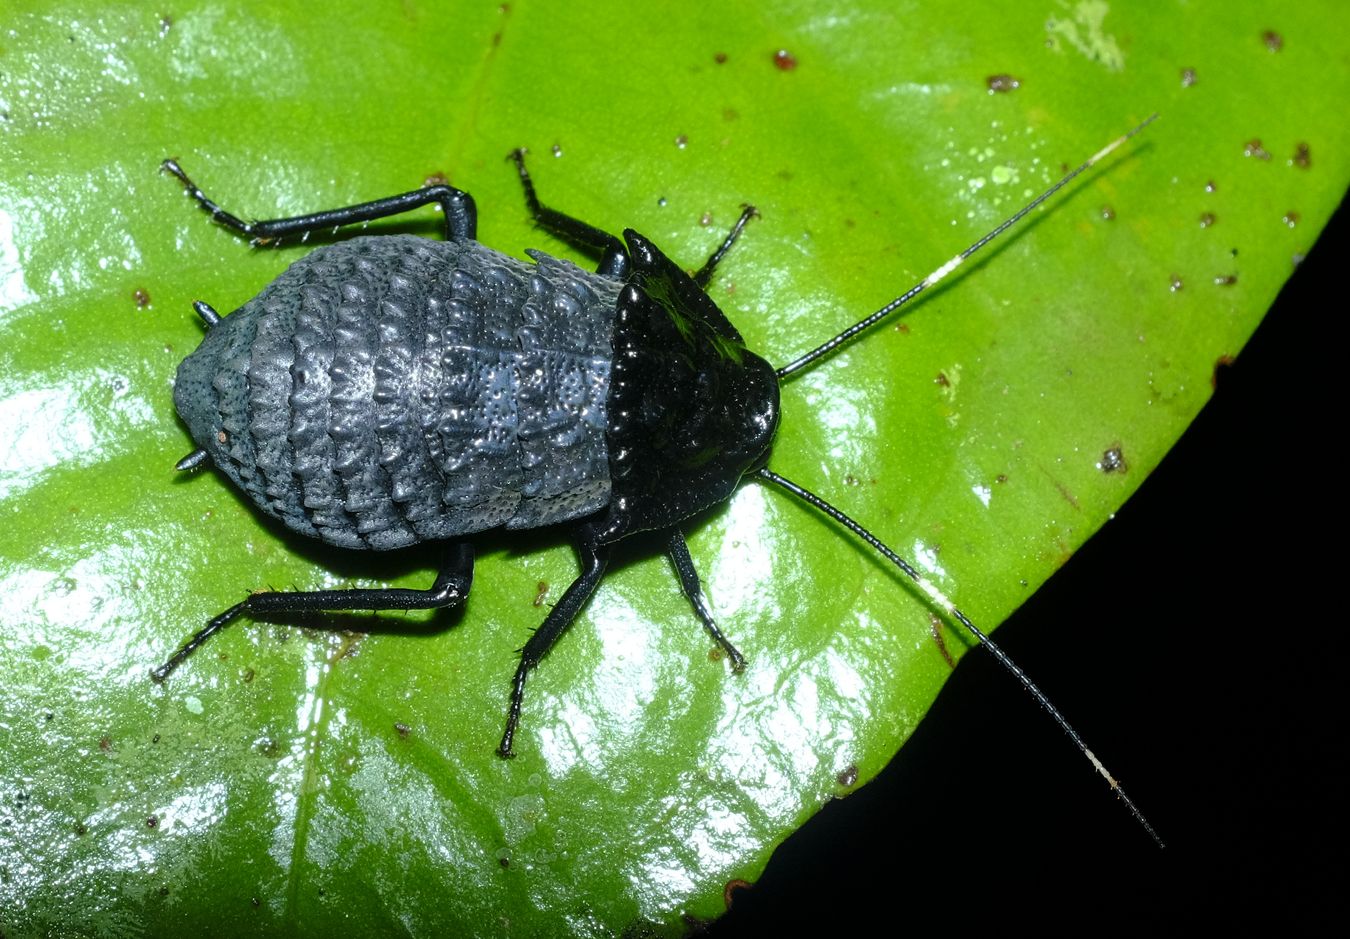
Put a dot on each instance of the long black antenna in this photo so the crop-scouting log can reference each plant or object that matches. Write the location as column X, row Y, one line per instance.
column 935, row 595
column 829, row 346
column 946, row 605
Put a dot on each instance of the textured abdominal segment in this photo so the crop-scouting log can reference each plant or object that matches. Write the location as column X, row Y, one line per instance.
column 390, row 390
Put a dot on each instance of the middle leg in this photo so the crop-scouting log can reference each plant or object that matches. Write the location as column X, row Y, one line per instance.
column 614, row 261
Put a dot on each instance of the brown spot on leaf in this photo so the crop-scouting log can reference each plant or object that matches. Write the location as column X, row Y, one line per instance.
column 1225, row 280
column 848, row 776
column 142, row 297
column 935, row 630
column 1302, row 157
column 1065, row 494
column 1002, row 83
column 1187, row 77
column 1253, row 148
column 348, row 645
column 402, row 729
column 541, row 591
column 1207, row 219
column 784, row 61
column 1273, row 40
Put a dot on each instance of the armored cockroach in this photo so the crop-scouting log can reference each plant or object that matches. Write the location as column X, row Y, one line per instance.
column 391, row 390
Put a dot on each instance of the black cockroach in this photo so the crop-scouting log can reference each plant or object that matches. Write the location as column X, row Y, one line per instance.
column 390, row 390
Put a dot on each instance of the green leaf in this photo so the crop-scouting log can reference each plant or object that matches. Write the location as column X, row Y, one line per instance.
column 301, row 781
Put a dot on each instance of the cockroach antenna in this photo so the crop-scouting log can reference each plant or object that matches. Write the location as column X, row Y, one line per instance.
column 830, row 345
column 936, row 596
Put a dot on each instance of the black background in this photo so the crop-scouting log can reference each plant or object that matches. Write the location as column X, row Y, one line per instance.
column 1193, row 643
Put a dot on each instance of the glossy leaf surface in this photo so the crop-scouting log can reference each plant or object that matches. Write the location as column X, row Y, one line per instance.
column 299, row 781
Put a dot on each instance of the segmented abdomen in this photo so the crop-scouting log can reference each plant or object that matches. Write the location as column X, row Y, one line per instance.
column 389, row 390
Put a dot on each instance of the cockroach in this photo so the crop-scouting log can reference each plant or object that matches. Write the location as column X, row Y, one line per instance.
column 391, row 390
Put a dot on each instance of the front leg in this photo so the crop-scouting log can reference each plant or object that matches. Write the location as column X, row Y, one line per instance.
column 693, row 589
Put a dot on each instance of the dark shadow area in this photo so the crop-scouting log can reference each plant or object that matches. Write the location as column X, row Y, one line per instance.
column 1192, row 643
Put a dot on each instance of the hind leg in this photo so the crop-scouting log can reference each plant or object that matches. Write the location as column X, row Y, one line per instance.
column 461, row 216
column 450, row 589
